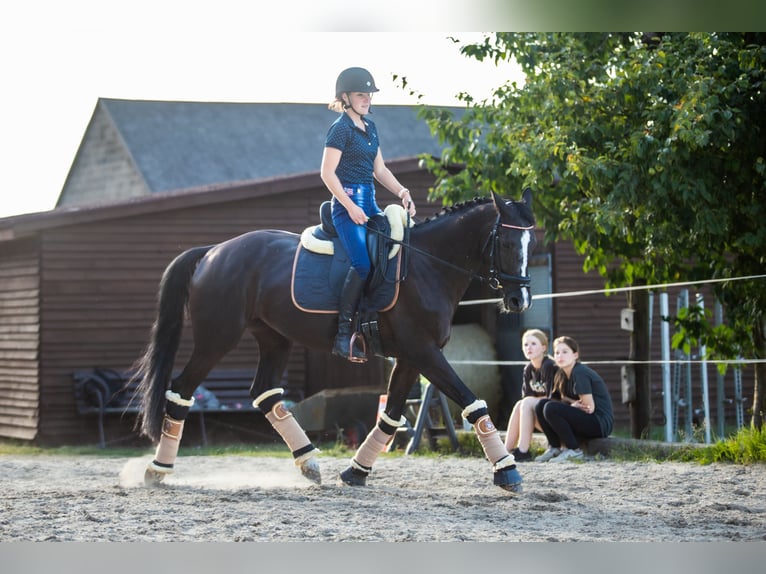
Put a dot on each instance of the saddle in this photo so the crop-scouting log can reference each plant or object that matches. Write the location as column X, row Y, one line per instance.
column 321, row 264
column 319, row 238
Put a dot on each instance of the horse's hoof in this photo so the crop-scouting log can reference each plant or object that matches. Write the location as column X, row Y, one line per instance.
column 310, row 469
column 509, row 479
column 153, row 478
column 353, row 477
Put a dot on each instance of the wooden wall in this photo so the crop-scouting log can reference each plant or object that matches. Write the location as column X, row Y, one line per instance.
column 592, row 320
column 19, row 339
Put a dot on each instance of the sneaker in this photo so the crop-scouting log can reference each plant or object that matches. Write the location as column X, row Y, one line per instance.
column 521, row 456
column 550, row 453
column 569, row 454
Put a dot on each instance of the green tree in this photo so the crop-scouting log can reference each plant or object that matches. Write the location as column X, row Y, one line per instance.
column 648, row 154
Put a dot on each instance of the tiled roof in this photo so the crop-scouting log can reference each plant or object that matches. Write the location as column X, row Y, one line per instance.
column 181, row 145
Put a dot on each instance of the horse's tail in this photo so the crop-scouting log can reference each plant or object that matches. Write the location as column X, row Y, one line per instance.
column 155, row 368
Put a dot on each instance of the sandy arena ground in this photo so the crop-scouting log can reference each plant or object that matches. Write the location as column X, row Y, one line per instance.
column 415, row 498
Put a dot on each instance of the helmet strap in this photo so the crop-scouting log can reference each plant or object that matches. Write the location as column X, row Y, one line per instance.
column 348, row 106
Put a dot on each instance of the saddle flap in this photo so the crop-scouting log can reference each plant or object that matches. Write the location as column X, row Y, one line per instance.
column 378, row 231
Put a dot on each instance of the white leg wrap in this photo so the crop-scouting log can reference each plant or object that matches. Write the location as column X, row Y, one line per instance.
column 291, row 432
column 178, row 399
column 474, row 406
column 167, row 449
column 373, row 445
column 358, row 466
column 270, row 393
column 504, row 462
column 494, row 449
column 387, row 419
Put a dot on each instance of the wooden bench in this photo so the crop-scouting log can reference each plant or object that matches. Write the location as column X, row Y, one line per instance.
column 101, row 392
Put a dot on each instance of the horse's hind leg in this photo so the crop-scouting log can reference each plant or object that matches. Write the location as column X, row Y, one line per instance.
column 268, row 397
column 179, row 399
column 176, row 410
column 402, row 378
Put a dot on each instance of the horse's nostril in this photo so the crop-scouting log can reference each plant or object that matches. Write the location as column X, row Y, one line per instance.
column 516, row 303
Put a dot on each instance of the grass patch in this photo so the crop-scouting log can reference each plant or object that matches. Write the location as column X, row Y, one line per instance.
column 13, row 447
column 272, row 450
column 20, row 448
column 747, row 446
column 649, row 450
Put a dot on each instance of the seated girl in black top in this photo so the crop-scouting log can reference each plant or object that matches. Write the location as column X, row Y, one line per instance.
column 537, row 384
column 580, row 405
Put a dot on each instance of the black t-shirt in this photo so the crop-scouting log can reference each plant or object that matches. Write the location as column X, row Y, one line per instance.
column 586, row 381
column 538, row 382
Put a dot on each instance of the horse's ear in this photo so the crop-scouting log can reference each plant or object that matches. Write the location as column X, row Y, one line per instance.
column 499, row 201
column 526, row 196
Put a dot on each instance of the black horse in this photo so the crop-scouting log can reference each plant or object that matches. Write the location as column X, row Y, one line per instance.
column 243, row 284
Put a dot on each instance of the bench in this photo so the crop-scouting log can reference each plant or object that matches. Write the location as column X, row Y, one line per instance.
column 100, row 392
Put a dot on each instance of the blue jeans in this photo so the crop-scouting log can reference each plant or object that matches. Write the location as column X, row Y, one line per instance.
column 353, row 237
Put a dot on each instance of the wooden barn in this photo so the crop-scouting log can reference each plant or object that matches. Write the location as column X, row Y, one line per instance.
column 79, row 291
column 78, row 284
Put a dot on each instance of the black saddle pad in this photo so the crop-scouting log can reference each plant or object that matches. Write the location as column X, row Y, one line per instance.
column 318, row 279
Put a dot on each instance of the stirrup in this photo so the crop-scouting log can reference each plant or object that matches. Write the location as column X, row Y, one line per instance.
column 354, row 358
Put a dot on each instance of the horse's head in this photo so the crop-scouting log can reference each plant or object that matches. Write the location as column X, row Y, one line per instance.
column 512, row 242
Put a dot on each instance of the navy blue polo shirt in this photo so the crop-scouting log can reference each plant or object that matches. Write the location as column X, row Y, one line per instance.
column 358, row 149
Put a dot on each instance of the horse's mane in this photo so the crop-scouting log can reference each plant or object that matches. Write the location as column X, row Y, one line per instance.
column 456, row 208
column 524, row 210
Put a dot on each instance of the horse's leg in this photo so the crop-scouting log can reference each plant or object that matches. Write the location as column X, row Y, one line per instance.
column 178, row 400
column 268, row 397
column 402, row 378
column 217, row 330
column 439, row 372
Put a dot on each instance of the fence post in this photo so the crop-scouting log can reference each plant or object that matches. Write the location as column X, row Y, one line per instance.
column 703, row 375
column 667, row 394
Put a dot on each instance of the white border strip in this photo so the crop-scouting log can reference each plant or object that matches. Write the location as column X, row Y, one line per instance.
column 626, row 362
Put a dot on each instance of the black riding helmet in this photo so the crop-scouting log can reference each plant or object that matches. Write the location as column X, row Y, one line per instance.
column 354, row 80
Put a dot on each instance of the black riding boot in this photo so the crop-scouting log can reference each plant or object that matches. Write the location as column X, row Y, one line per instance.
column 349, row 299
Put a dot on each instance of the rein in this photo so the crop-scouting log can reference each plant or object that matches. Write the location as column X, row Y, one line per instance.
column 496, row 276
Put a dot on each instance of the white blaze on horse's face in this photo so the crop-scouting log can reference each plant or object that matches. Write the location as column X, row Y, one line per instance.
column 514, row 274
column 516, row 292
column 526, row 242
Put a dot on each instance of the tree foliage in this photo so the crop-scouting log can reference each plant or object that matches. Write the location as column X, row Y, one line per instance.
column 647, row 151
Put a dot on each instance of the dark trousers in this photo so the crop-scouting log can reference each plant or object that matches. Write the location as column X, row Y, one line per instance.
column 563, row 424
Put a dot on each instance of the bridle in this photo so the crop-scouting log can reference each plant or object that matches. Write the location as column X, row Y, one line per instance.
column 496, row 275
